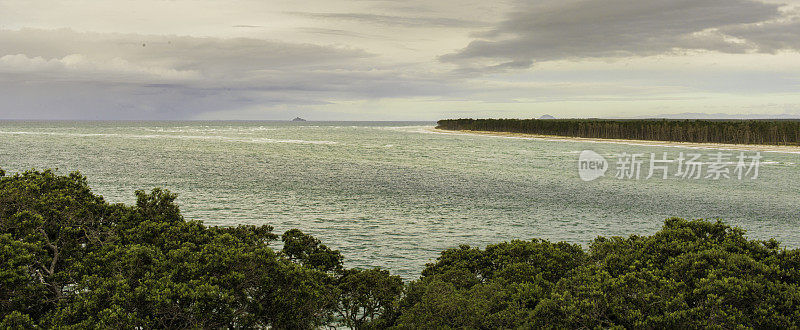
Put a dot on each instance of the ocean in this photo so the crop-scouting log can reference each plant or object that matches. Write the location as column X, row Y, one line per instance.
column 395, row 194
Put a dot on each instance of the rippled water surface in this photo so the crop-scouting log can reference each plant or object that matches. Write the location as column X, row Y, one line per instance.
column 394, row 194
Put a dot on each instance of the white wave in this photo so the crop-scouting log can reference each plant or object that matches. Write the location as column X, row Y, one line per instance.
column 166, row 136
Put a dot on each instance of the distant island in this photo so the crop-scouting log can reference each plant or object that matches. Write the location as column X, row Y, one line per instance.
column 756, row 132
column 298, row 119
column 547, row 117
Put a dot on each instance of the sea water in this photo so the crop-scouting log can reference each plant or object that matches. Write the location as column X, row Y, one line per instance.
column 395, row 194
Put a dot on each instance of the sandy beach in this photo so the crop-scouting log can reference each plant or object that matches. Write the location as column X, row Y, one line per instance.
column 716, row 146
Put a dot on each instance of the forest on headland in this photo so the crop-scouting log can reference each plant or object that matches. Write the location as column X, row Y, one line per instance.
column 69, row 259
column 764, row 132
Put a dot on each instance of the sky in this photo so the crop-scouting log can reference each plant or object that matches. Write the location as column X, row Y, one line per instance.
column 398, row 60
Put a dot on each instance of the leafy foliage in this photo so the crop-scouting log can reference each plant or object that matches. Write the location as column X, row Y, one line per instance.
column 310, row 252
column 71, row 259
column 367, row 298
column 691, row 274
column 68, row 259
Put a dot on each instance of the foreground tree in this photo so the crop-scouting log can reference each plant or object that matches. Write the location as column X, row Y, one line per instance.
column 71, row 259
column 367, row 298
column 691, row 274
column 68, row 259
column 310, row 252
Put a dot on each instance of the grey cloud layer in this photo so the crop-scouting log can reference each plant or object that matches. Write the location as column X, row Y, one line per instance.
column 611, row 28
column 67, row 74
column 213, row 57
column 358, row 52
column 770, row 37
column 406, row 21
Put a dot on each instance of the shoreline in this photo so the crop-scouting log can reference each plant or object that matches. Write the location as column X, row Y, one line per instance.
column 653, row 143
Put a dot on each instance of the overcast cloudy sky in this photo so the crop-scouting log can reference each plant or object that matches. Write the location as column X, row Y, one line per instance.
column 397, row 60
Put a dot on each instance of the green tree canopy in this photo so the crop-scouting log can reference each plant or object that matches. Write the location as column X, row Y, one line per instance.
column 68, row 259
column 71, row 259
column 691, row 274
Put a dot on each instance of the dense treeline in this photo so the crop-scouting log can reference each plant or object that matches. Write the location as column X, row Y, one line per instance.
column 771, row 132
column 70, row 259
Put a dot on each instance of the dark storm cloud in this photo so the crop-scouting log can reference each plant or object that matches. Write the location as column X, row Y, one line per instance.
column 612, row 28
column 769, row 37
